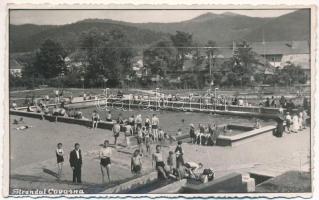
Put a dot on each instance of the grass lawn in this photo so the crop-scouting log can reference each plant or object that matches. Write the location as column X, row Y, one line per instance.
column 291, row 181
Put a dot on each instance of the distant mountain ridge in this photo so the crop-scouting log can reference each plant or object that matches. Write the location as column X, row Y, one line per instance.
column 222, row 28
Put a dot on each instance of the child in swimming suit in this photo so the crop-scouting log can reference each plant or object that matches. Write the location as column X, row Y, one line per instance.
column 136, row 163
column 60, row 159
column 171, row 162
column 147, row 140
column 105, row 163
column 95, row 119
column 155, row 124
column 116, row 132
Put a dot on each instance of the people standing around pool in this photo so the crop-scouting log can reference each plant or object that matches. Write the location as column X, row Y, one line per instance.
column 147, row 140
column 273, row 102
column 131, row 121
column 159, row 163
column 288, row 121
column 192, row 133
column 161, row 135
column 280, row 126
column 147, row 123
column 60, row 159
column 206, row 135
column 290, row 105
column 201, row 133
column 136, row 163
column 197, row 137
column 155, row 124
column 257, row 124
column 105, row 160
column 295, row 123
column 300, row 120
column 304, row 119
column 192, row 168
column 128, row 129
column 47, row 98
column 14, row 105
column 210, row 136
column 283, row 102
column 56, row 96
column 95, row 119
column 120, row 119
column 109, row 116
column 76, row 163
column 179, row 132
column 116, row 131
column 138, row 121
column 140, row 139
column 56, row 112
column 179, row 154
column 267, row 103
column 215, row 133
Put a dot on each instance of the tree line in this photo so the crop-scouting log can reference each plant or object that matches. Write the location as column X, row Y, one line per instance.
column 106, row 59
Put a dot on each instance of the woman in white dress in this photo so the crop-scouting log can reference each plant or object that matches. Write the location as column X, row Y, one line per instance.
column 295, row 123
column 300, row 120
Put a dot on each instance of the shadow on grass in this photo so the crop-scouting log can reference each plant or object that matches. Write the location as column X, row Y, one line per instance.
column 50, row 172
column 99, row 188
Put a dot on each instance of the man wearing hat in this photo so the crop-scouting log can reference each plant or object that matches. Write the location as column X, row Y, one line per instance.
column 179, row 154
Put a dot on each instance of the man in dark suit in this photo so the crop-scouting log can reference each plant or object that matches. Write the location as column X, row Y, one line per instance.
column 76, row 163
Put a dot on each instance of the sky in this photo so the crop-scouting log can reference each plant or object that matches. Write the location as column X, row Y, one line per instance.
column 60, row 17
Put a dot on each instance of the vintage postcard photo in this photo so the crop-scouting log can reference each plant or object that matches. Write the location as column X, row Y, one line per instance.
column 160, row 101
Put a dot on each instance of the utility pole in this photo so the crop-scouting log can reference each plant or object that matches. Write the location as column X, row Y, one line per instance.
column 210, row 65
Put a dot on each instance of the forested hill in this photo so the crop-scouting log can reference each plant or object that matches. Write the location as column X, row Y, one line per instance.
column 222, row 28
column 292, row 26
column 22, row 40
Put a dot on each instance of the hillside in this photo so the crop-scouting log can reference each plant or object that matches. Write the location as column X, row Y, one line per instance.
column 222, row 28
column 293, row 26
column 20, row 35
column 69, row 35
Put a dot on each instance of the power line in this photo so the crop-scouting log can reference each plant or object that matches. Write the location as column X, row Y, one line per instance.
column 157, row 47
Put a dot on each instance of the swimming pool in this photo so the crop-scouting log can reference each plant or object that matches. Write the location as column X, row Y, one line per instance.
column 171, row 121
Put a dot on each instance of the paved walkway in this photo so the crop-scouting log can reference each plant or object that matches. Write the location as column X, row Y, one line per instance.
column 276, row 155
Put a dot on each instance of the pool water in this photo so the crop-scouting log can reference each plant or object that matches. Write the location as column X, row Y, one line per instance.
column 171, row 121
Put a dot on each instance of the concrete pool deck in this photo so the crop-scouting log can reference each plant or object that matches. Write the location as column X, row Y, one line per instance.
column 225, row 140
column 291, row 152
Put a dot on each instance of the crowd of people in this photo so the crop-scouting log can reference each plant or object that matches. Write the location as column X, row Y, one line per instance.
column 173, row 166
column 204, row 135
column 147, row 131
column 291, row 122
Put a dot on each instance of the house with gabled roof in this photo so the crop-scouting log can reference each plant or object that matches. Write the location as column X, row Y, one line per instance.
column 15, row 67
column 278, row 53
